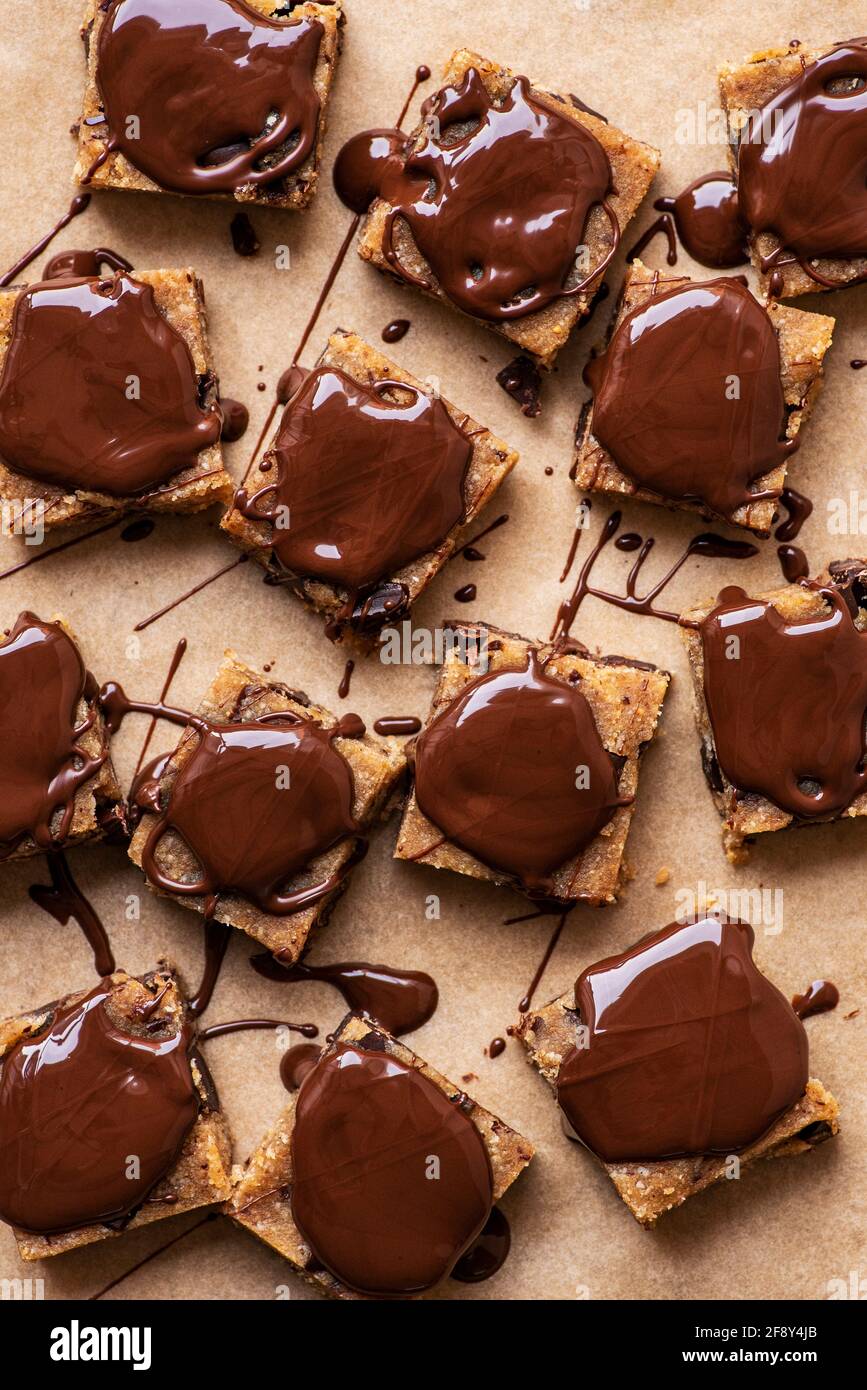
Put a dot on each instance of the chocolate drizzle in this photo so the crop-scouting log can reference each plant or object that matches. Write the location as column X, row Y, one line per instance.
column 689, row 1049
column 802, row 162
column 497, row 197
column 514, row 771
column 706, row 544
column 369, row 1130
column 788, row 709
column 43, row 763
column 370, row 484
column 488, row 1252
column 98, row 391
column 224, row 96
column 687, row 397
column 255, row 804
column 64, row 899
column 400, row 1000
column 76, row 1100
column 79, row 204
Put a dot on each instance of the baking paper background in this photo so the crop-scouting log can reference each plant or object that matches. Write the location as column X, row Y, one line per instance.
column 786, row 1229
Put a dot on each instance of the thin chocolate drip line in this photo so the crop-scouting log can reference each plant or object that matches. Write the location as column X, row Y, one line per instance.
column 76, row 208
column 180, row 651
column 64, row 899
column 133, row 1269
column 799, row 508
column 525, row 1002
column 217, row 936
column 707, row 543
column 161, row 612
column 44, row 554
column 242, row 1025
column 343, row 249
column 664, row 224
column 474, row 540
column 422, row 74
column 345, row 679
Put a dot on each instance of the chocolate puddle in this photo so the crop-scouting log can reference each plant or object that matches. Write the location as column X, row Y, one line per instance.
column 98, row 391
column 689, row 1050
column 75, row 1101
column 224, row 96
column 400, row 1000
column 368, row 1129
column 497, row 773
column 788, row 713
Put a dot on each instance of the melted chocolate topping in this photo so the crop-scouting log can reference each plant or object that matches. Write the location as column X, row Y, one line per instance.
column 98, row 390
column 75, row 1102
column 224, row 97
column 787, row 701
column 687, row 396
column 81, row 264
column 400, row 1000
column 369, row 1133
column 297, row 1062
column 369, row 485
column 689, row 1049
column 488, row 1252
column 497, row 197
column 514, row 772
column 818, row 998
column 802, row 159
column 42, row 764
column 255, row 804
column 708, row 221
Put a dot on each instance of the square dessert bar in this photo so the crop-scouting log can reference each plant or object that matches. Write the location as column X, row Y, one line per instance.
column 652, row 1188
column 625, row 699
column 261, row 1197
column 114, row 170
column 238, row 695
column 147, row 1006
column 490, row 462
column 744, row 89
column 746, row 813
column 180, row 298
column 35, row 708
column 633, row 167
column 803, row 341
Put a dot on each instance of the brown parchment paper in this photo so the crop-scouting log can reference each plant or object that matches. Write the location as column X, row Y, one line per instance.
column 789, row 1229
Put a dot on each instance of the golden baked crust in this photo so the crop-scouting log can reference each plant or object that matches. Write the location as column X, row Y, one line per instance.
column 295, row 192
column 626, row 702
column 490, row 463
column 201, row 1175
column 633, row 168
column 746, row 814
column 652, row 1188
column 803, row 340
column 180, row 299
column 239, row 693
column 261, row 1196
column 744, row 88
column 97, row 795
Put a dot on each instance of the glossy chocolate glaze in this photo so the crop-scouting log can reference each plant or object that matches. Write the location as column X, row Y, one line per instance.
column 42, row 764
column 689, row 1049
column 664, row 402
column 496, row 772
column 400, row 1000
column 98, row 390
column 255, row 803
column 488, row 1252
column 788, row 711
column 368, row 1131
column 369, row 484
column 708, row 220
column 818, row 998
column 76, row 1101
column 497, row 197
column 224, row 96
column 802, row 161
